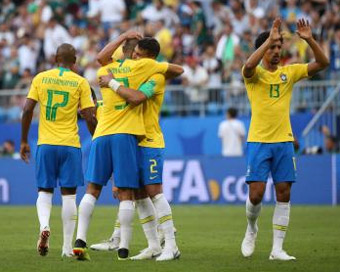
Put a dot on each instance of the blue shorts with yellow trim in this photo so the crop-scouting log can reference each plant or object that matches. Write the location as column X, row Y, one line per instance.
column 151, row 162
column 277, row 158
column 117, row 154
column 57, row 163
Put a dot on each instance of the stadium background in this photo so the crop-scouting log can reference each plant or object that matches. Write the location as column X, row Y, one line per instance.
column 213, row 36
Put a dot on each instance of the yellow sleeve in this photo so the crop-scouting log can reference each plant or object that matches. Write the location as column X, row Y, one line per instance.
column 152, row 67
column 252, row 78
column 33, row 92
column 85, row 95
column 298, row 71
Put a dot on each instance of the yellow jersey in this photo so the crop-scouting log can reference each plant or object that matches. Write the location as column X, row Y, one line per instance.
column 60, row 92
column 99, row 110
column 118, row 116
column 269, row 94
column 154, row 89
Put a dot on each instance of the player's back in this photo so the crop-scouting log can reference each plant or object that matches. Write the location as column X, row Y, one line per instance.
column 60, row 92
column 151, row 111
column 118, row 115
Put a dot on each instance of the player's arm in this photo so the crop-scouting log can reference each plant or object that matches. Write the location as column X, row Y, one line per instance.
column 87, row 107
column 89, row 115
column 321, row 61
column 131, row 96
column 104, row 57
column 26, row 120
column 173, row 71
column 256, row 57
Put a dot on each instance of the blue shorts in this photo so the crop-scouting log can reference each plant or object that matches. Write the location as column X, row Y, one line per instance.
column 277, row 158
column 117, row 154
column 151, row 162
column 58, row 163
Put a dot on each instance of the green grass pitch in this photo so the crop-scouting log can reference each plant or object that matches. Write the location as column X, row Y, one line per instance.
column 209, row 238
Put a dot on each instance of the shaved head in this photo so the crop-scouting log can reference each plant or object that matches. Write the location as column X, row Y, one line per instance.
column 66, row 54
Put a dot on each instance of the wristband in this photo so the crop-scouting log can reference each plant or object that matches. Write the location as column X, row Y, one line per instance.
column 114, row 85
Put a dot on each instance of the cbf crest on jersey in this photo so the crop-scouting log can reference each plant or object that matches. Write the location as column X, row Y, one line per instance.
column 283, row 77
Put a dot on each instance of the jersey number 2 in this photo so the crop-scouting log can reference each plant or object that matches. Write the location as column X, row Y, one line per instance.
column 51, row 110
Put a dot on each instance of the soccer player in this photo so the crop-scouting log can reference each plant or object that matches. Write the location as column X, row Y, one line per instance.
column 114, row 149
column 60, row 92
column 151, row 149
column 270, row 140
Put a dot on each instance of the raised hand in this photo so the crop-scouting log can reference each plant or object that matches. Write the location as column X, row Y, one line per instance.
column 131, row 34
column 275, row 34
column 303, row 29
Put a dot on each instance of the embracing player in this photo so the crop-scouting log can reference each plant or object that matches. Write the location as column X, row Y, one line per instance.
column 114, row 149
column 151, row 149
column 270, row 139
column 60, row 92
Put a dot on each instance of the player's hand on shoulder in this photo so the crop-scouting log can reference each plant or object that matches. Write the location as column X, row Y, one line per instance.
column 303, row 29
column 25, row 152
column 275, row 34
column 104, row 80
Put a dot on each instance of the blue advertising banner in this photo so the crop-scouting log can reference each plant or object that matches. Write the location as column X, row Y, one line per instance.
column 193, row 180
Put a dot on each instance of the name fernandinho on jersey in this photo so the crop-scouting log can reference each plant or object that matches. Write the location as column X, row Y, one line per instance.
column 61, row 82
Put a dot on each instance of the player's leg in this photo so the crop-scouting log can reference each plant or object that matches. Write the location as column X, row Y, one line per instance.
column 284, row 174
column 147, row 217
column 126, row 177
column 70, row 177
column 69, row 219
column 258, row 167
column 152, row 170
column 46, row 177
column 98, row 171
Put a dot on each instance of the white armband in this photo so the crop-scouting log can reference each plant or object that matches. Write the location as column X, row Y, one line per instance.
column 114, row 85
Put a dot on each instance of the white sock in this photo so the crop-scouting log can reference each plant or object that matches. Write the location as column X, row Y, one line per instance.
column 44, row 206
column 125, row 217
column 280, row 224
column 69, row 218
column 116, row 231
column 252, row 213
column 147, row 217
column 86, row 207
column 164, row 215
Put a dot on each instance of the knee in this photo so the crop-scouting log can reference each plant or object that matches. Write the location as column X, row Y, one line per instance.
column 94, row 189
column 283, row 195
column 153, row 190
column 255, row 198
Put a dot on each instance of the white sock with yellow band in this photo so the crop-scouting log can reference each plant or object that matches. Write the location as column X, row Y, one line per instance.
column 147, row 217
column 166, row 223
column 280, row 224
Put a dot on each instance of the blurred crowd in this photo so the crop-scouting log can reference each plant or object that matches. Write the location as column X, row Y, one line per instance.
column 211, row 38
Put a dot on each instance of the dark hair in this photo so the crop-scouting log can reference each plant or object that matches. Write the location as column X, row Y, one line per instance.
column 66, row 54
column 150, row 45
column 262, row 38
column 232, row 112
column 11, row 142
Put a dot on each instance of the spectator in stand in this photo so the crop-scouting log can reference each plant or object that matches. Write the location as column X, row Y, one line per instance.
column 213, row 66
column 232, row 133
column 28, row 54
column 198, row 24
column 55, row 35
column 7, row 10
column 25, row 80
column 195, row 78
column 225, row 51
column 164, row 37
column 334, row 54
column 158, row 11
column 11, row 74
